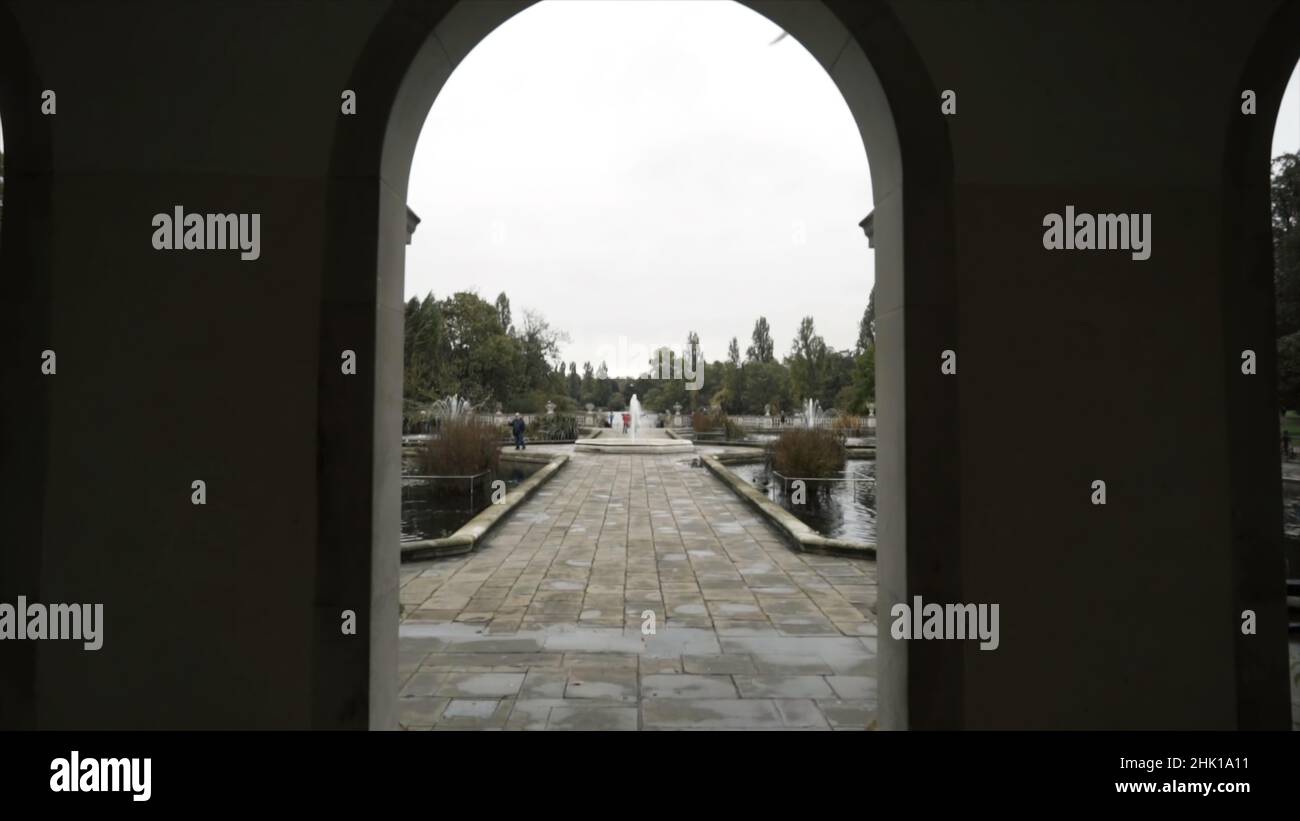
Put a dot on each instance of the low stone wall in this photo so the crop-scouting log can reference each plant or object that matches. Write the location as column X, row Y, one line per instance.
column 472, row 532
column 800, row 535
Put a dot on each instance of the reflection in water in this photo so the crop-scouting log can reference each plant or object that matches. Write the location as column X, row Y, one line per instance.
column 844, row 508
column 435, row 508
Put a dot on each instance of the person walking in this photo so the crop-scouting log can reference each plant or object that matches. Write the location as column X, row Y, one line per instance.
column 1286, row 444
column 517, row 428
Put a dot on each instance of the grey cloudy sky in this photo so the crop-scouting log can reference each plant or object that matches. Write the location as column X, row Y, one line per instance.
column 639, row 170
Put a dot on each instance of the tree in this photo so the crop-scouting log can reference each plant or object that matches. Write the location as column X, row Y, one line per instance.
column 761, row 350
column 588, row 390
column 864, row 380
column 539, row 346
column 483, row 361
column 603, row 388
column 574, row 382
column 867, row 325
column 503, row 311
column 732, row 395
column 837, row 379
column 807, row 361
column 1286, row 276
column 767, row 384
column 425, row 353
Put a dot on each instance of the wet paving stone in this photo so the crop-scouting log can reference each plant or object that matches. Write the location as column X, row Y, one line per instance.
column 685, row 685
column 541, row 628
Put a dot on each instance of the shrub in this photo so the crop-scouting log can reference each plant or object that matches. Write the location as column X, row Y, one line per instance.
column 807, row 453
column 718, row 421
column 847, row 424
column 463, row 446
column 564, row 403
column 559, row 426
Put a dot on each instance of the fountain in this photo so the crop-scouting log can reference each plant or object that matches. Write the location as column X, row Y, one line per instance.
column 451, row 408
column 811, row 414
column 651, row 441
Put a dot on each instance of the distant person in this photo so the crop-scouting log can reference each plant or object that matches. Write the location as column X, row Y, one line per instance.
column 517, row 428
column 627, row 421
column 1286, row 444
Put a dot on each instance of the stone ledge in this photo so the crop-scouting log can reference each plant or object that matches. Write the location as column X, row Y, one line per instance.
column 643, row 447
column 800, row 535
column 468, row 536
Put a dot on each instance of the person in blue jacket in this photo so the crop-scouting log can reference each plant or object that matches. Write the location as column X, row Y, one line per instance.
column 517, row 428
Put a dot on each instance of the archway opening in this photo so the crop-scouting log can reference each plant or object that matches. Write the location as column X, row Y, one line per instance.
column 1285, row 203
column 688, row 554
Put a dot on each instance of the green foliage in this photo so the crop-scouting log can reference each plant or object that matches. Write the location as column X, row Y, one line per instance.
column 461, row 446
column 1286, row 277
column 1286, row 242
column 761, row 348
column 864, row 380
column 867, row 325
column 1288, row 371
column 554, row 427
column 465, row 345
column 766, row 383
column 807, row 361
column 802, row 453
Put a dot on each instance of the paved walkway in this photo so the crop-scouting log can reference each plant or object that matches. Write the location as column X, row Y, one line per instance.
column 542, row 626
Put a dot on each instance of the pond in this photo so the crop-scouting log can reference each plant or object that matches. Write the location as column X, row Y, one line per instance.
column 435, row 508
column 844, row 508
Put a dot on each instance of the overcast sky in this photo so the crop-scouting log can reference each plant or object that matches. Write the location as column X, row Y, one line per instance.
column 640, row 170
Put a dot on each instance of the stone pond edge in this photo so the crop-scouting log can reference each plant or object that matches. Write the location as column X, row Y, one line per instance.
column 472, row 532
column 799, row 535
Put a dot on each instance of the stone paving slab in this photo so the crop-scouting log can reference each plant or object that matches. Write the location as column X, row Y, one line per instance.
column 547, row 625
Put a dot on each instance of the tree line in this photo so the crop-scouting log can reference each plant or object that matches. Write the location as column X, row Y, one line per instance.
column 1286, row 277
column 467, row 346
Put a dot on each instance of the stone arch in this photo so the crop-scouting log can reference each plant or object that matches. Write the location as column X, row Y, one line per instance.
column 1249, row 307
column 412, row 53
